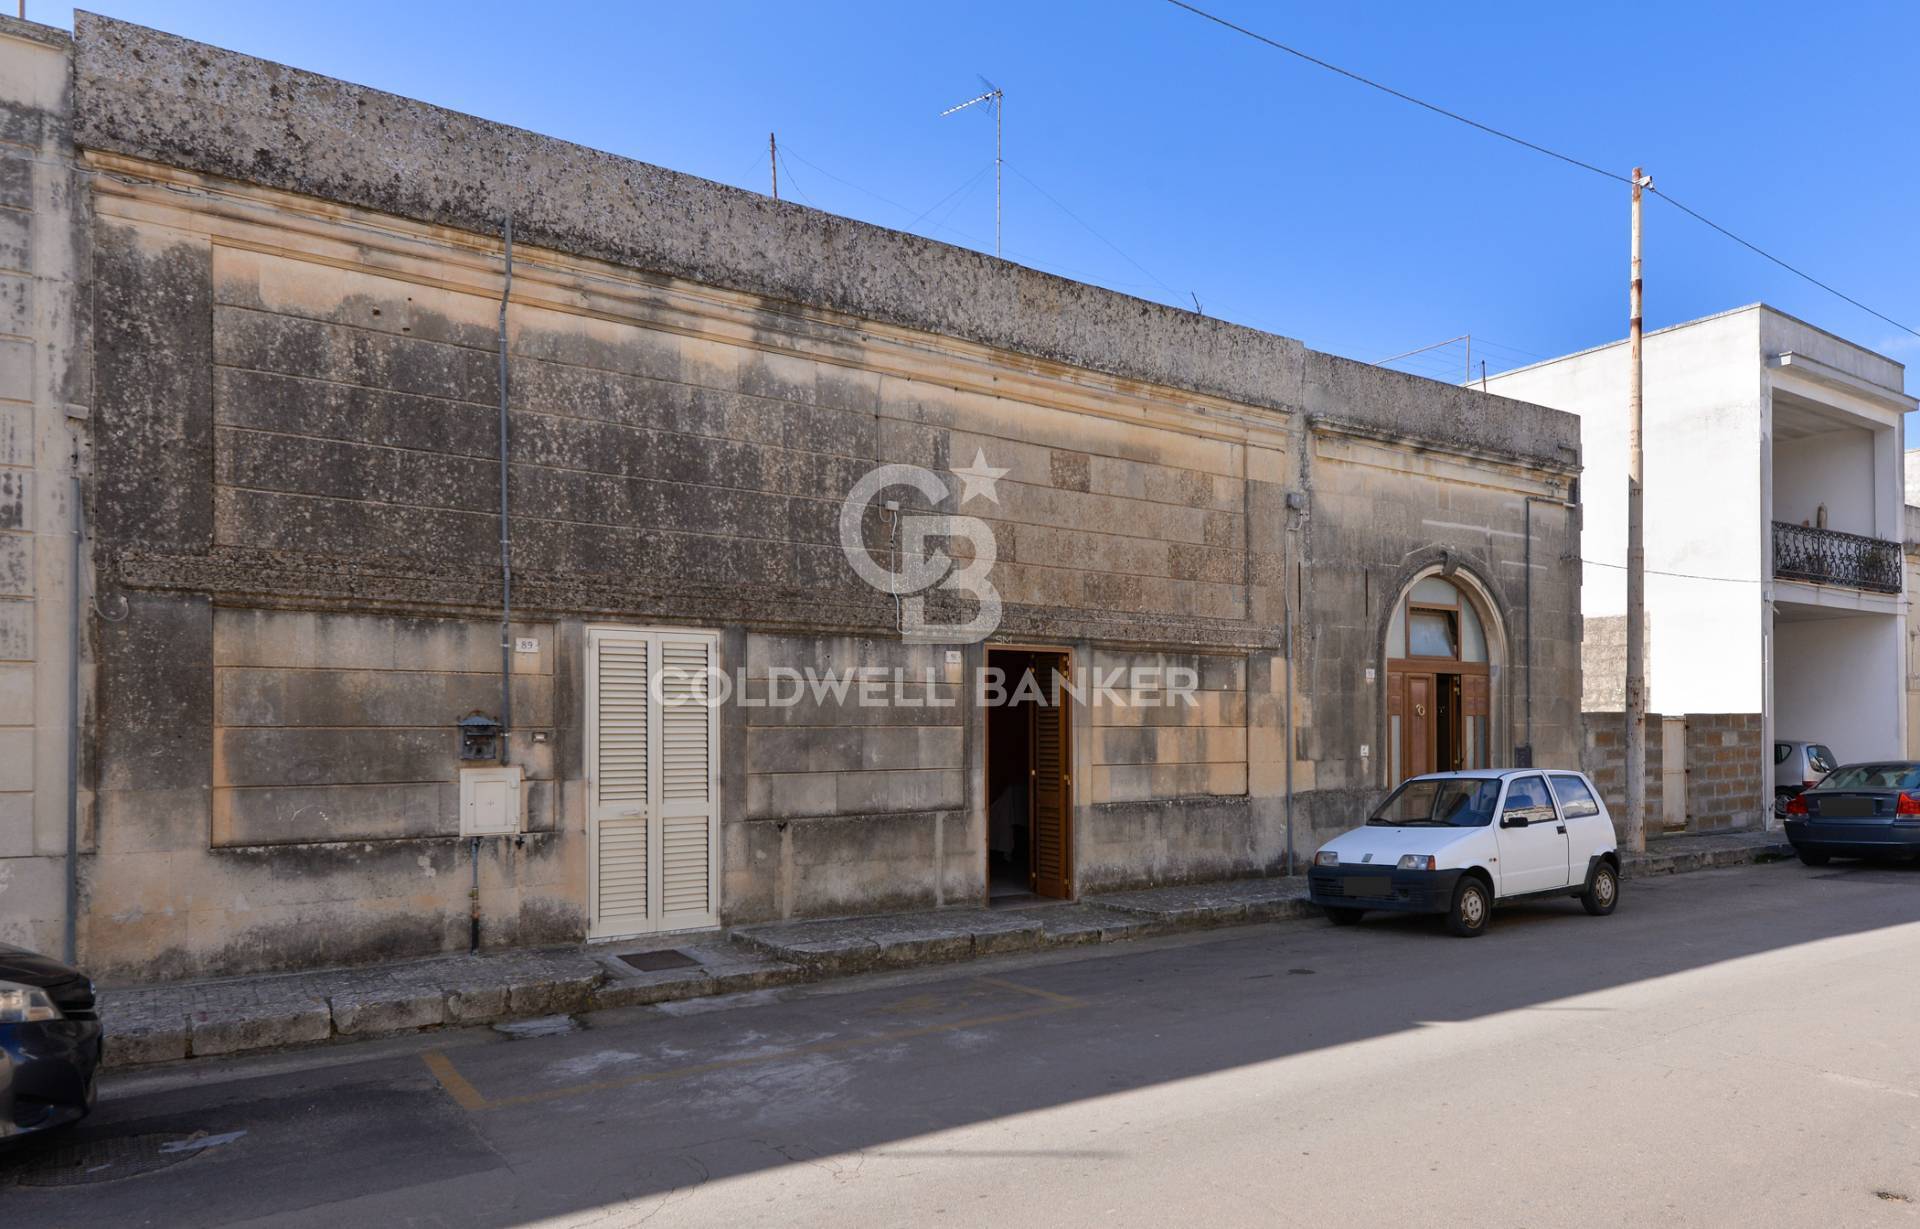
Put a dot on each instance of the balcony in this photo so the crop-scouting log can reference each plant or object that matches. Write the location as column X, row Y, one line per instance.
column 1828, row 557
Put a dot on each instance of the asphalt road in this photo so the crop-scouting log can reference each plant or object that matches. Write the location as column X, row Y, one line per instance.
column 1731, row 1047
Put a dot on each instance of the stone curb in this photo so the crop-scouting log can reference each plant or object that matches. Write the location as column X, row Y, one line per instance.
column 1649, row 864
column 146, row 1025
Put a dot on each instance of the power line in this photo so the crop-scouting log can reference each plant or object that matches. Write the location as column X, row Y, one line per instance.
column 1387, row 89
column 1569, row 159
column 781, row 157
column 1089, row 229
column 1762, row 252
column 942, row 224
column 965, row 184
column 1725, row 580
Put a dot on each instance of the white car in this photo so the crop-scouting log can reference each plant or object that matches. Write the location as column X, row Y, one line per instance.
column 1457, row 842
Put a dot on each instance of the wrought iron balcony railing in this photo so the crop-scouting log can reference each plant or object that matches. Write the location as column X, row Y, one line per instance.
column 1828, row 557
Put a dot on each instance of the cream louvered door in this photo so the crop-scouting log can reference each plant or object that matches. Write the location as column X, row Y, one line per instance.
column 652, row 813
column 687, row 770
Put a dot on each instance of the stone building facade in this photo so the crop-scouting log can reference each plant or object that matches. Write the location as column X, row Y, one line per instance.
column 296, row 342
column 44, row 395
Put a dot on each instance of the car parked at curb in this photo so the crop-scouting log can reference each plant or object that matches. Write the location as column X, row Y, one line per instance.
column 1858, row 811
column 1457, row 843
column 49, row 1043
column 1797, row 764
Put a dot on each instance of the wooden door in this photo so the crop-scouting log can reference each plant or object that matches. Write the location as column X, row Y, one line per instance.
column 1050, row 800
column 1418, row 738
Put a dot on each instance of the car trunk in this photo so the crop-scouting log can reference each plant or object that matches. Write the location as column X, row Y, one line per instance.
column 1852, row 806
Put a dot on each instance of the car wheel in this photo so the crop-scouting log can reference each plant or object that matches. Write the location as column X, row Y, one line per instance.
column 1813, row 858
column 1603, row 891
column 1342, row 917
column 1472, row 907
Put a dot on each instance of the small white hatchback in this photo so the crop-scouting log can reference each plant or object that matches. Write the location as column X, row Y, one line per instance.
column 1457, row 842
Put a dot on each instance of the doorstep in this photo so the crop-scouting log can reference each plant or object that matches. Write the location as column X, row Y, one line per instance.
column 162, row 1023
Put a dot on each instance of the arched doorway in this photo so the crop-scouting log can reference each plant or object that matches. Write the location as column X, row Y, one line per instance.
column 1440, row 654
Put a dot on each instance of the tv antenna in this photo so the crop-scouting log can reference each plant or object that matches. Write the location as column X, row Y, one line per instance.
column 995, row 98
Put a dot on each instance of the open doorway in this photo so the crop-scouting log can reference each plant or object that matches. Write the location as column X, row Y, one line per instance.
column 1438, row 683
column 1029, row 782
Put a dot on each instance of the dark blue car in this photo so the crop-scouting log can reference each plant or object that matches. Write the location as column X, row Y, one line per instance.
column 49, row 1043
column 1858, row 811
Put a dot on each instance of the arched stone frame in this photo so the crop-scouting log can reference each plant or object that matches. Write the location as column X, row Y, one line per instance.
column 1495, row 615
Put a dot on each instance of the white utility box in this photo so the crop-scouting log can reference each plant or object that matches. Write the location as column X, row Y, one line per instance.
column 490, row 801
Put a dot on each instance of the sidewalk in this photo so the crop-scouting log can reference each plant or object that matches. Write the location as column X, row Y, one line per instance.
column 151, row 1024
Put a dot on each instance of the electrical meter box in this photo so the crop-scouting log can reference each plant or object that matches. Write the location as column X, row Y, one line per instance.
column 490, row 803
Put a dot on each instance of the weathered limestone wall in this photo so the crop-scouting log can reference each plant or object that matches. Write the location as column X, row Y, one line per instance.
column 1148, row 750
column 43, row 409
column 849, row 807
column 297, row 500
column 1384, row 512
column 339, row 727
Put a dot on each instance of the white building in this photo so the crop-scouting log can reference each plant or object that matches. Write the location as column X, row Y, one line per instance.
column 1775, row 502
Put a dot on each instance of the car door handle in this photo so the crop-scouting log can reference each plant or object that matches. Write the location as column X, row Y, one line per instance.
column 1562, row 829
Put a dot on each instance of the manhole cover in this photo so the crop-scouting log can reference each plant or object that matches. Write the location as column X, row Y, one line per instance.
column 660, row 962
column 100, row 1158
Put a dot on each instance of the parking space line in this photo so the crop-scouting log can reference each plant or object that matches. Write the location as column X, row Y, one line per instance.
column 464, row 1094
column 1052, row 996
column 469, row 1098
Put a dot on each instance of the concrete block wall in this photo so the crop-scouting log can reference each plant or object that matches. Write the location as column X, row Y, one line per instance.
column 44, row 398
column 1728, row 767
column 1603, row 757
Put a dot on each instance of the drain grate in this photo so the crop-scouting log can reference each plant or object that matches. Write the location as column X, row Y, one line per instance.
column 100, row 1158
column 661, row 961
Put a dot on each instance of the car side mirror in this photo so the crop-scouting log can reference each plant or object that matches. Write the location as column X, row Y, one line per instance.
column 1513, row 820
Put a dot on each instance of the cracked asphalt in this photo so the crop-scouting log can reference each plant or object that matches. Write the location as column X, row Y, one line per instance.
column 1738, row 1046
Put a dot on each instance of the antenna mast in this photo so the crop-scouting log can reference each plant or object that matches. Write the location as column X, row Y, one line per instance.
column 995, row 98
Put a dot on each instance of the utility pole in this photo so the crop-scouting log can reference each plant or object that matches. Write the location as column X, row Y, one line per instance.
column 773, row 163
column 996, row 98
column 1636, row 732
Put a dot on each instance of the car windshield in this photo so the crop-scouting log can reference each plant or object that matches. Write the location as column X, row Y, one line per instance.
column 1873, row 776
column 1456, row 802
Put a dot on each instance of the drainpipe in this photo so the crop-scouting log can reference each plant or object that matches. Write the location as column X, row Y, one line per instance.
column 1531, row 500
column 506, row 537
column 1294, row 500
column 69, row 938
column 1286, row 642
column 473, row 900
column 506, row 586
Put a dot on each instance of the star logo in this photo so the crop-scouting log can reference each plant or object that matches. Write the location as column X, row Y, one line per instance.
column 979, row 479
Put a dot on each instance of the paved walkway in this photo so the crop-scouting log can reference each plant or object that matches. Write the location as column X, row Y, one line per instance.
column 150, row 1024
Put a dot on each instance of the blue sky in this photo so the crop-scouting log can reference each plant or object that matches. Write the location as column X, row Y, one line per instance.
column 1200, row 163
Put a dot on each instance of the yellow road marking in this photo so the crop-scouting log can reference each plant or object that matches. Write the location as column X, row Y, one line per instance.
column 1052, row 996
column 464, row 1094
column 467, row 1097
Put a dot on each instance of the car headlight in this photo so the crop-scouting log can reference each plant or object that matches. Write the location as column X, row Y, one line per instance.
column 25, row 1004
column 1326, row 857
column 1416, row 862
